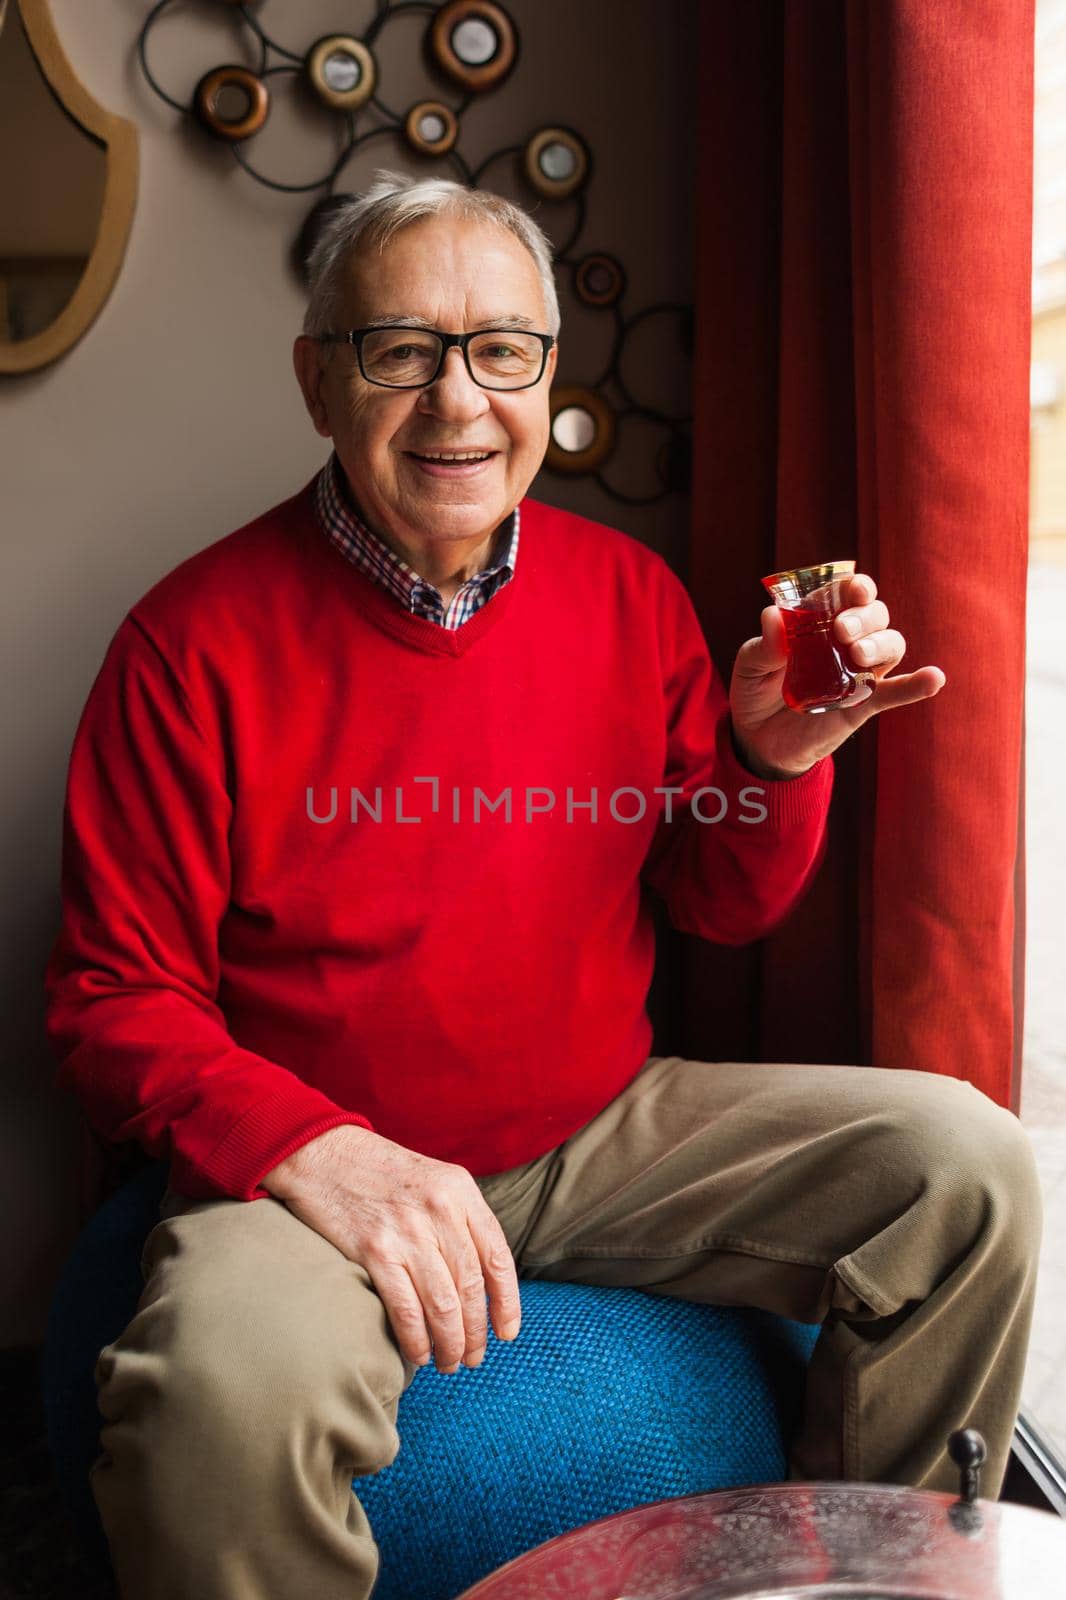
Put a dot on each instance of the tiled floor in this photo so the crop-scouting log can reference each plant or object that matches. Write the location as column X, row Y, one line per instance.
column 1044, row 1080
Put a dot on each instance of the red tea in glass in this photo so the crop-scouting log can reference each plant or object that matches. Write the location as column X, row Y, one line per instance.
column 817, row 676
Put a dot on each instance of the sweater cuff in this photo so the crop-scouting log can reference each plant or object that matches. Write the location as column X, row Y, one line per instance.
column 789, row 802
column 268, row 1132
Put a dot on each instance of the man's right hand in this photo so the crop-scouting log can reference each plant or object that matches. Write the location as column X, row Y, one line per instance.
column 420, row 1228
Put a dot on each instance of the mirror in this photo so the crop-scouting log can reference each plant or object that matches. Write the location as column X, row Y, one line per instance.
column 573, row 429
column 557, row 162
column 599, row 280
column 232, row 103
column 582, row 430
column 432, row 127
column 474, row 42
column 68, row 175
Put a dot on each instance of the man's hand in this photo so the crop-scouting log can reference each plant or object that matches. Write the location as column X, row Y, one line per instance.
column 776, row 742
column 420, row 1228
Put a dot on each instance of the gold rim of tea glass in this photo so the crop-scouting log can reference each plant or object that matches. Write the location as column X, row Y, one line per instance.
column 823, row 572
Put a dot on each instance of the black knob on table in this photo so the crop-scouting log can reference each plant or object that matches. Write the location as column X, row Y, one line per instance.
column 968, row 1451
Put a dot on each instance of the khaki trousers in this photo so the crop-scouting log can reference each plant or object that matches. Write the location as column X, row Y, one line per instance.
column 898, row 1209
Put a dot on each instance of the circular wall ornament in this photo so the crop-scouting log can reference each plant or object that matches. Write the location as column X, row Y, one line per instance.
column 474, row 43
column 556, row 162
column 343, row 71
column 231, row 102
column 582, row 430
column 431, row 128
column 599, row 280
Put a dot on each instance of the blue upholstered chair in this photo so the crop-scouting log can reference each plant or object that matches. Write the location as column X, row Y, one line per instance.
column 609, row 1398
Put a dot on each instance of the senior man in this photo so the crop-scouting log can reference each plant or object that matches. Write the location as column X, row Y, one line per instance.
column 361, row 816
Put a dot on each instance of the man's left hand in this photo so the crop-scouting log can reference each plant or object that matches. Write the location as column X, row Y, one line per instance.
column 776, row 742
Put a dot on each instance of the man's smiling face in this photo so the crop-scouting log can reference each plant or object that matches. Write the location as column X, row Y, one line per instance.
column 455, row 276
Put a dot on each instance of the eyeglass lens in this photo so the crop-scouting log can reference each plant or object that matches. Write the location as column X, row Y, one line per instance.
column 404, row 357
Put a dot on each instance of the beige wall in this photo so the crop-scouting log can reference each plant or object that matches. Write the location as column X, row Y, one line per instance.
column 176, row 419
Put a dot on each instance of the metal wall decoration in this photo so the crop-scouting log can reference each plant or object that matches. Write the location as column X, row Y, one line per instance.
column 474, row 45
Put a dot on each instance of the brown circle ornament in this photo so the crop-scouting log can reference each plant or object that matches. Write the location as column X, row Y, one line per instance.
column 474, row 43
column 431, row 128
column 229, row 81
column 582, row 430
column 342, row 71
column 599, row 280
column 556, row 162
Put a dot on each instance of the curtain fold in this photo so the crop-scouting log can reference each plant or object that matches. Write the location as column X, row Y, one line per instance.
column 862, row 359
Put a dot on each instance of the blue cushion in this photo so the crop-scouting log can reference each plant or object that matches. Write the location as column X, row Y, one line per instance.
column 609, row 1398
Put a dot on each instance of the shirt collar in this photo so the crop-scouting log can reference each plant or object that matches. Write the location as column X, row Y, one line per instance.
column 343, row 524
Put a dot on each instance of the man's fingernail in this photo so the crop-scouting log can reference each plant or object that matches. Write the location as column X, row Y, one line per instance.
column 851, row 626
column 422, row 1360
column 510, row 1329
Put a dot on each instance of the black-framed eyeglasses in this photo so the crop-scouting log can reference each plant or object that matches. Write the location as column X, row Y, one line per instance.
column 411, row 358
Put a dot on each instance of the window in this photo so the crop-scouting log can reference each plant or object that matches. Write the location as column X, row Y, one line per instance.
column 1043, row 1102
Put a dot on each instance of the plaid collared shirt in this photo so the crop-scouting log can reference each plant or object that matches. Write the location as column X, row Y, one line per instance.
column 362, row 547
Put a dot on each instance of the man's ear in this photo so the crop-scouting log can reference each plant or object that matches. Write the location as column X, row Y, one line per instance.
column 307, row 361
column 553, row 359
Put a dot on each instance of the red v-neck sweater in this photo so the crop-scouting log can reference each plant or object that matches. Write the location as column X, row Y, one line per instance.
column 241, row 965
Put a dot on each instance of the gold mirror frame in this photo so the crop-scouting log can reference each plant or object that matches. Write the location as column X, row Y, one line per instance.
column 119, row 139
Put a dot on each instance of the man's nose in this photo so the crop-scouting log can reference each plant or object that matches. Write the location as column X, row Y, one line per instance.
column 453, row 392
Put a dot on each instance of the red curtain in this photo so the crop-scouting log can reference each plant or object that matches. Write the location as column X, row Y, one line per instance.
column 862, row 360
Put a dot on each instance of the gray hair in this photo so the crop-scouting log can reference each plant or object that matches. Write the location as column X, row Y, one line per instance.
column 393, row 201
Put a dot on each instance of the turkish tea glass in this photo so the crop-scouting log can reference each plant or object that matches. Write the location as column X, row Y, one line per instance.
column 817, row 676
